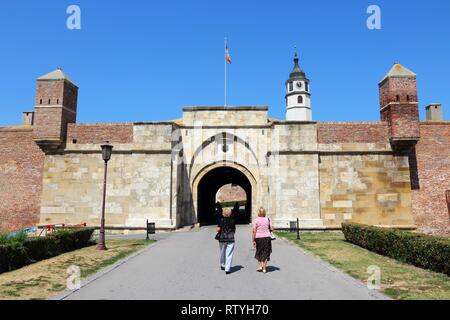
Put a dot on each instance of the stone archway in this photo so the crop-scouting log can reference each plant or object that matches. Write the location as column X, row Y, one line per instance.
column 211, row 179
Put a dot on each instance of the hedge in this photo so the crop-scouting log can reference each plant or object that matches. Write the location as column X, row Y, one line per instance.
column 20, row 252
column 424, row 251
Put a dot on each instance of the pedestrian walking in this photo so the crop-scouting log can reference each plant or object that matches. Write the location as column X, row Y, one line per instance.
column 262, row 239
column 226, row 229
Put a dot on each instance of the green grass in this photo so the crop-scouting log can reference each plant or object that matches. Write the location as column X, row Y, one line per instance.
column 44, row 279
column 398, row 280
column 133, row 246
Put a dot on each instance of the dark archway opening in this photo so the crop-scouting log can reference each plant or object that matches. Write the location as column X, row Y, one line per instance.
column 207, row 190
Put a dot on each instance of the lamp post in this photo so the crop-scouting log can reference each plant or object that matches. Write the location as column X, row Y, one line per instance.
column 106, row 155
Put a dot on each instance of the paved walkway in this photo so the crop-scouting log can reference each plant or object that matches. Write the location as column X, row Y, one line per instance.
column 185, row 265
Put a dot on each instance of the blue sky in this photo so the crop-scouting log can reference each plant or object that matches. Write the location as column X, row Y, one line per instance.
column 143, row 60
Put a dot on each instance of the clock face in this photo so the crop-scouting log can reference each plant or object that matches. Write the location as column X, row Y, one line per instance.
column 299, row 84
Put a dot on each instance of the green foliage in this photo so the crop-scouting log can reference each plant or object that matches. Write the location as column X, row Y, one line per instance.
column 421, row 250
column 6, row 238
column 230, row 204
column 19, row 251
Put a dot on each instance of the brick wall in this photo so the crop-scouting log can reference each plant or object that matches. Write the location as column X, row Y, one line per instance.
column 231, row 193
column 49, row 90
column 47, row 122
column 56, row 106
column 433, row 163
column 21, row 165
column 403, row 120
column 99, row 133
column 70, row 96
column 352, row 132
column 56, row 92
column 405, row 88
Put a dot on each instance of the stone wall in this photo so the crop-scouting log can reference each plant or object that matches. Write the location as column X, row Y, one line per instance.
column 294, row 190
column 21, row 163
column 367, row 188
column 138, row 189
column 225, row 116
column 322, row 173
column 433, row 162
column 294, row 174
column 139, row 177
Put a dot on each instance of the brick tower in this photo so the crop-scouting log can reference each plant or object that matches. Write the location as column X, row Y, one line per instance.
column 55, row 107
column 399, row 107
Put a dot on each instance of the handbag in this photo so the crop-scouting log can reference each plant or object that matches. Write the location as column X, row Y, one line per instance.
column 272, row 236
column 217, row 237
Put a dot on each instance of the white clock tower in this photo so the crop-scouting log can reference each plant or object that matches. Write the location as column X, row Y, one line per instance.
column 298, row 97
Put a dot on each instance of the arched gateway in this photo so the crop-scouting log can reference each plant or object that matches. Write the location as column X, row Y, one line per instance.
column 209, row 180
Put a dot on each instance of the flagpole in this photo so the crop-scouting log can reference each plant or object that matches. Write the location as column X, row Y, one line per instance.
column 225, row 66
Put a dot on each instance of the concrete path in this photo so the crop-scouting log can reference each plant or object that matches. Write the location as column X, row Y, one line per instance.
column 185, row 265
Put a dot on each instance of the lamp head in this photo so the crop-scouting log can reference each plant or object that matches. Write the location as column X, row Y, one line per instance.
column 106, row 151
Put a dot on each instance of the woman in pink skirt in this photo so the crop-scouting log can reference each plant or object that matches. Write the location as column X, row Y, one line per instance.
column 262, row 241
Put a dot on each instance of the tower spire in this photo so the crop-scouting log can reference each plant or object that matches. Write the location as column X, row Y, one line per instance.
column 296, row 71
column 298, row 103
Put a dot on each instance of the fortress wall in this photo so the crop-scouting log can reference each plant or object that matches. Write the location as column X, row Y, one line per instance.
column 153, row 136
column 138, row 189
column 290, row 137
column 99, row 133
column 225, row 116
column 294, row 174
column 139, row 176
column 433, row 162
column 21, row 163
column 294, row 190
column 352, row 132
column 368, row 188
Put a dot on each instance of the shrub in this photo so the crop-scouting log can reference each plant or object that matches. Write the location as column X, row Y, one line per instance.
column 17, row 252
column 421, row 250
column 40, row 248
column 8, row 238
column 11, row 255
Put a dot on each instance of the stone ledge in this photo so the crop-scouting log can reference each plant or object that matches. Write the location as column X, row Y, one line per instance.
column 223, row 108
column 16, row 128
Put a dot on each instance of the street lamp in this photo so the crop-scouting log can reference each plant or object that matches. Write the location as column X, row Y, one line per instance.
column 106, row 155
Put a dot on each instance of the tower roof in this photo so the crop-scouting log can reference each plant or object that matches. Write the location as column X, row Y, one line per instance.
column 57, row 74
column 296, row 72
column 398, row 70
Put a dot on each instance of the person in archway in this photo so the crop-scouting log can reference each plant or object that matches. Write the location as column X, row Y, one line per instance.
column 262, row 241
column 235, row 212
column 226, row 229
column 218, row 213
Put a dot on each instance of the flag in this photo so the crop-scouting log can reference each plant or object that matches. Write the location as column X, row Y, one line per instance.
column 227, row 55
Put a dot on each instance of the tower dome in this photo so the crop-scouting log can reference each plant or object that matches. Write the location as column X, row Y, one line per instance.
column 298, row 97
